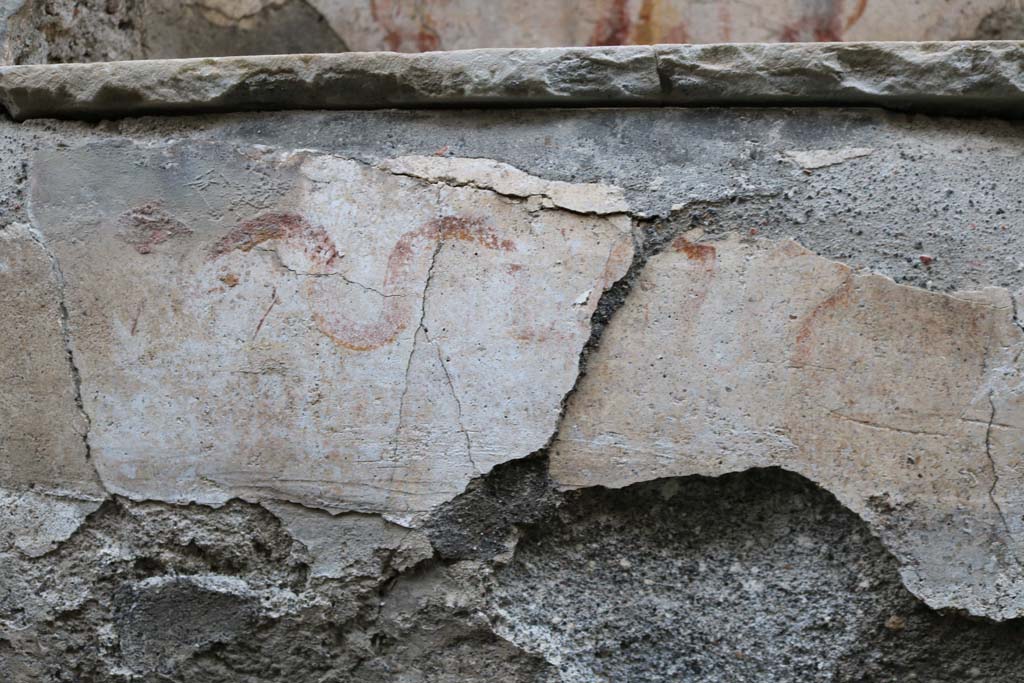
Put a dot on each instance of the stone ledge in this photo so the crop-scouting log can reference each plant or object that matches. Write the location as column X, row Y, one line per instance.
column 954, row 78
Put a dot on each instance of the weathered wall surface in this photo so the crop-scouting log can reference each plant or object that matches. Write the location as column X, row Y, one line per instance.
column 524, row 395
column 50, row 31
column 59, row 31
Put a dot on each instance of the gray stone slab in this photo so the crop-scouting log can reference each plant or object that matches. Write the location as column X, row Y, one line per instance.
column 980, row 78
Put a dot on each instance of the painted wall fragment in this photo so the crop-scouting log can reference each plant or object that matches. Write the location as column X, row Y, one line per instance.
column 47, row 484
column 42, row 430
column 422, row 25
column 296, row 326
column 905, row 403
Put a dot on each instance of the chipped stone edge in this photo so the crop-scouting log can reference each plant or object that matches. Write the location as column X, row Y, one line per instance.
column 972, row 78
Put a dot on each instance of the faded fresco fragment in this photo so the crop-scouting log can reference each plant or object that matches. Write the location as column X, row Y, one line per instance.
column 288, row 325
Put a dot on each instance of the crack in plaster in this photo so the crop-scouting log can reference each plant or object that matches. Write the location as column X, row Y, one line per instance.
column 415, row 336
column 652, row 243
column 65, row 325
column 458, row 404
column 539, row 197
column 647, row 243
column 995, row 478
column 884, row 427
column 276, row 255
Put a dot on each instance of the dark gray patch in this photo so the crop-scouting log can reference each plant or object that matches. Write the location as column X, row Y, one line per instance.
column 64, row 31
column 160, row 621
column 759, row 576
column 480, row 523
column 172, row 30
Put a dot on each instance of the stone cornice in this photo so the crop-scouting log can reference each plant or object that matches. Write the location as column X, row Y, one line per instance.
column 951, row 78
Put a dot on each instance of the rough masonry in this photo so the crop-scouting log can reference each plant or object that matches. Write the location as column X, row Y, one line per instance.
column 612, row 393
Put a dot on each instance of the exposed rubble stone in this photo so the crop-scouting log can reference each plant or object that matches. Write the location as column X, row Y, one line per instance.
column 758, row 576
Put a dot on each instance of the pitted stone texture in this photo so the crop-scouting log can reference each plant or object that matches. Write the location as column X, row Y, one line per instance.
column 902, row 402
column 355, row 80
column 163, row 620
column 947, row 78
column 983, row 78
column 149, row 591
column 295, row 326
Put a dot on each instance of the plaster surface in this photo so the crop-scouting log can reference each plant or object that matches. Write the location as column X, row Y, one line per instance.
column 183, row 289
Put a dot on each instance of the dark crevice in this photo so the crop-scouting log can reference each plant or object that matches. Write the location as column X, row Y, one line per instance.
column 995, row 478
column 482, row 522
column 65, row 326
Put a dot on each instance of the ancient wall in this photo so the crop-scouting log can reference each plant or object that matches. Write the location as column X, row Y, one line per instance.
column 45, row 31
column 713, row 375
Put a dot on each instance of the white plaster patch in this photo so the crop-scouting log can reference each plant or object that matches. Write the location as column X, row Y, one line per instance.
column 820, row 158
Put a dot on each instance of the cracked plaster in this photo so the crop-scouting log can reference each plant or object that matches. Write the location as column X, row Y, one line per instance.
column 464, row 291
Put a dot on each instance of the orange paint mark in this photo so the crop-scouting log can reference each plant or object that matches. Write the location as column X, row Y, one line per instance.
column 393, row 319
column 704, row 260
column 840, row 297
column 644, row 32
column 612, row 29
column 256, row 231
column 392, row 36
column 858, row 12
column 387, row 14
column 273, row 301
column 318, row 245
column 145, row 226
column 705, row 253
column 408, row 262
column 427, row 38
